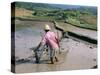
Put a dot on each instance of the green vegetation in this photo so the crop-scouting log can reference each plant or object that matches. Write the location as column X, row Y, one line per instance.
column 35, row 6
column 85, row 17
column 81, row 23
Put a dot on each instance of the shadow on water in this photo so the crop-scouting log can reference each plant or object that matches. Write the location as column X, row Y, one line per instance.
column 25, row 61
column 31, row 61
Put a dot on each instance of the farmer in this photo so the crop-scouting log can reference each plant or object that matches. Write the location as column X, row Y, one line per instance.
column 50, row 39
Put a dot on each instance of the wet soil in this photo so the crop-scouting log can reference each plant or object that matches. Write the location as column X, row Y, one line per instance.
column 74, row 54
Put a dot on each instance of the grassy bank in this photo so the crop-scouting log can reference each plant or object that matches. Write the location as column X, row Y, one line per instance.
column 78, row 23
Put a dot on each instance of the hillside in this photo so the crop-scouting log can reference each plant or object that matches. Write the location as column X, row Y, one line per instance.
column 35, row 6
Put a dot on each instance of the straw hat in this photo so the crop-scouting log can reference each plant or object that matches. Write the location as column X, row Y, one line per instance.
column 47, row 27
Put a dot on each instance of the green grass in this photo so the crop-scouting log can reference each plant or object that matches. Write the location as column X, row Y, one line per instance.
column 73, row 21
column 76, row 22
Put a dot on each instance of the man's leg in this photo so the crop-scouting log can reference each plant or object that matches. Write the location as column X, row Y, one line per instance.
column 52, row 55
column 56, row 54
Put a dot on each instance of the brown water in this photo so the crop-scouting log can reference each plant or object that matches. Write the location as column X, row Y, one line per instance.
column 75, row 55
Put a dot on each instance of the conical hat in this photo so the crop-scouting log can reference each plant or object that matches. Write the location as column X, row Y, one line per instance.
column 47, row 27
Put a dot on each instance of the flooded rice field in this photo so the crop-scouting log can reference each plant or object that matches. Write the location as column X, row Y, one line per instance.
column 75, row 55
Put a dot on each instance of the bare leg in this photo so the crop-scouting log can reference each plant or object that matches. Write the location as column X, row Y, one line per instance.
column 56, row 59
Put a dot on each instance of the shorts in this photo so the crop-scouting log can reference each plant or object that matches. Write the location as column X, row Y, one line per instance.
column 54, row 52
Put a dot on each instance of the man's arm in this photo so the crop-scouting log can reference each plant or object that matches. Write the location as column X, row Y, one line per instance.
column 42, row 43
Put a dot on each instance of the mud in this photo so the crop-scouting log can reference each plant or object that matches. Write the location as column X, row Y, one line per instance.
column 75, row 54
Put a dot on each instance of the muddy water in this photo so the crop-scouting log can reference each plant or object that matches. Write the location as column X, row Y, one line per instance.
column 75, row 55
